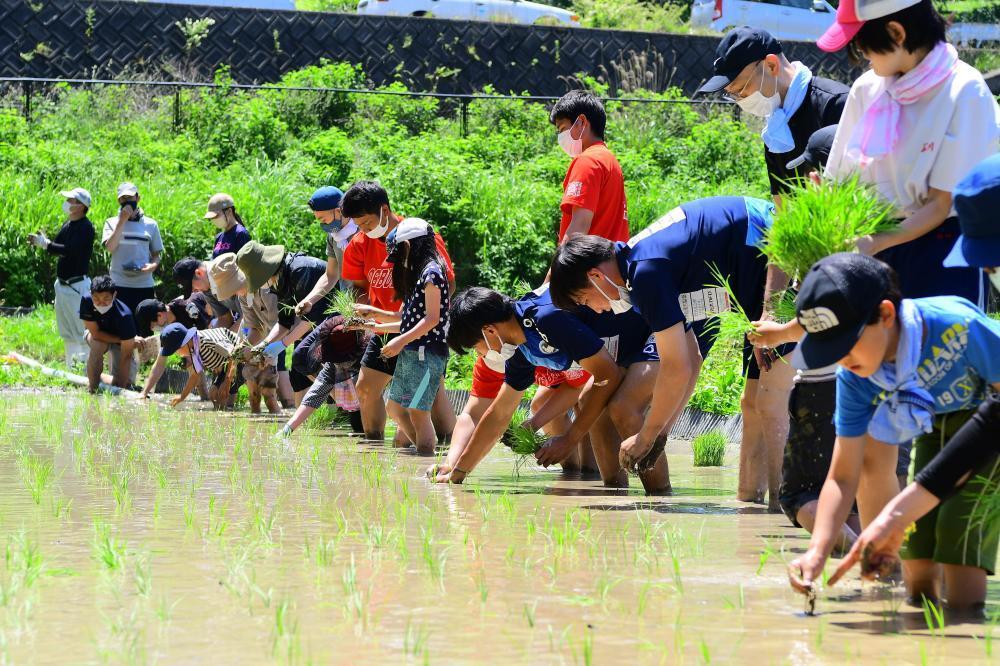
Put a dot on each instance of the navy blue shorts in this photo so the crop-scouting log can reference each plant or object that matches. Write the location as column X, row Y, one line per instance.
column 919, row 264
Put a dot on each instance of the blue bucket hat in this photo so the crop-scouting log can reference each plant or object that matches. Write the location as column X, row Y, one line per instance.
column 326, row 198
column 977, row 200
column 174, row 337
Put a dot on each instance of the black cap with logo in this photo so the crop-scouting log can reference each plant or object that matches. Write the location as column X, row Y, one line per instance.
column 837, row 298
column 739, row 48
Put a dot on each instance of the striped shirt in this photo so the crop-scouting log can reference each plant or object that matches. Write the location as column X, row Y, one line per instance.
column 216, row 347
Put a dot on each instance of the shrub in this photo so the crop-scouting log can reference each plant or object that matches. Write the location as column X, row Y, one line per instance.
column 305, row 111
column 330, row 157
column 709, row 449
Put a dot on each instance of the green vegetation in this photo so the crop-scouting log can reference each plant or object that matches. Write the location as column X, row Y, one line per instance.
column 494, row 193
column 709, row 449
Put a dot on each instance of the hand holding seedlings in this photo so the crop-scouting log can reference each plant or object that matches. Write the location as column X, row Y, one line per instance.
column 877, row 549
column 804, row 570
column 393, row 348
column 555, row 450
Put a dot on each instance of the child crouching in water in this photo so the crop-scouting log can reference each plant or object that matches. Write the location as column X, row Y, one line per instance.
column 418, row 276
column 220, row 351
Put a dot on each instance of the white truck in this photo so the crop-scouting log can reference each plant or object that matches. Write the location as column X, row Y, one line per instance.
column 507, row 11
column 807, row 20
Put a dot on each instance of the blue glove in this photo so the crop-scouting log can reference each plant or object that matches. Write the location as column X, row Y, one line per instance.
column 275, row 348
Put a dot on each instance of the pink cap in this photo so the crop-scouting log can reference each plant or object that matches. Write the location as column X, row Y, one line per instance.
column 852, row 14
column 839, row 35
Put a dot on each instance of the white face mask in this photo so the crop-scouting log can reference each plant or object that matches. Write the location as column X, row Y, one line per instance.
column 619, row 305
column 103, row 309
column 67, row 207
column 380, row 230
column 221, row 222
column 497, row 360
column 758, row 104
column 570, row 146
column 995, row 278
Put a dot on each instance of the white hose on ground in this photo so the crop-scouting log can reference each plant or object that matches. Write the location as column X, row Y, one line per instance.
column 71, row 377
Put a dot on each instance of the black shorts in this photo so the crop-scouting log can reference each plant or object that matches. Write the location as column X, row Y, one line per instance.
column 373, row 359
column 809, row 448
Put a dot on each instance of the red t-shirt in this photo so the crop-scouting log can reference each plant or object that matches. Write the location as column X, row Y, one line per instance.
column 365, row 259
column 595, row 182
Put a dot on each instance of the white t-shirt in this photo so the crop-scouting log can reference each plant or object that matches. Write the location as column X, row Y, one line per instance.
column 139, row 240
column 941, row 137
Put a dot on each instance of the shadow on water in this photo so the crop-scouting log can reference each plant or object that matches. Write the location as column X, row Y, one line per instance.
column 706, row 508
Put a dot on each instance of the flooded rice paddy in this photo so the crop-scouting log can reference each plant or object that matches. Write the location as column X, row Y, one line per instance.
column 136, row 534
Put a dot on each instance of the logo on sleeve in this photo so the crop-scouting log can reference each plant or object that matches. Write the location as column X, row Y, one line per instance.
column 574, row 189
column 817, row 320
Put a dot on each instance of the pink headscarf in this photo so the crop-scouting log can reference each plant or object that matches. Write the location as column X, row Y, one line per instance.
column 877, row 133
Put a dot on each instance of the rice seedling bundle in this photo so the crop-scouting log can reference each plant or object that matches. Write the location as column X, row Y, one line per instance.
column 815, row 221
column 709, row 449
column 521, row 438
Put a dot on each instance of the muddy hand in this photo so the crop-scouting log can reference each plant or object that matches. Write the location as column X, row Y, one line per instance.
column 636, row 457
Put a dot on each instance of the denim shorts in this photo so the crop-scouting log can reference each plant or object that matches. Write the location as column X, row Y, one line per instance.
column 417, row 378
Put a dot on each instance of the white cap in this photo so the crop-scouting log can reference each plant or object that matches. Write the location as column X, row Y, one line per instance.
column 78, row 193
column 410, row 228
column 127, row 190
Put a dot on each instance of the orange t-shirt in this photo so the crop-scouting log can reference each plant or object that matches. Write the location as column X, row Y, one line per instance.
column 595, row 182
column 365, row 259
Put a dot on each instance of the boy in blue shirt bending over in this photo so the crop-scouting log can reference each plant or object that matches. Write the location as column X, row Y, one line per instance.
column 909, row 369
column 665, row 273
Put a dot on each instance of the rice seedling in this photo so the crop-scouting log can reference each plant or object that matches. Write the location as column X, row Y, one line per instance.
column 342, row 302
column 933, row 616
column 37, row 474
column 731, row 324
column 107, row 550
column 709, row 449
column 815, row 221
column 529, row 613
column 522, row 439
column 143, row 576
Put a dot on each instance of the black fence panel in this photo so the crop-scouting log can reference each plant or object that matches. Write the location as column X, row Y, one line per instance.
column 99, row 38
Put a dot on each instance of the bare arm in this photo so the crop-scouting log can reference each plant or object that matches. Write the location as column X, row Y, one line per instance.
column 431, row 318
column 835, row 501
column 154, row 263
column 926, row 219
column 193, row 379
column 489, row 431
column 322, row 287
column 154, row 376
column 672, row 379
column 607, row 378
column 111, row 245
column 579, row 223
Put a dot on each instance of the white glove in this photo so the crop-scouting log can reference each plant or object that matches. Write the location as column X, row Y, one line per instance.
column 39, row 240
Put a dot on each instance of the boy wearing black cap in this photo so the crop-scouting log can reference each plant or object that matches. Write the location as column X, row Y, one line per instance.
column 191, row 275
column 909, row 369
column 751, row 70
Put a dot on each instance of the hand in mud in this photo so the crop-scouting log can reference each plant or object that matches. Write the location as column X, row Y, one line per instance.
column 804, row 571
column 877, row 548
column 637, row 456
column 446, row 474
column 555, row 451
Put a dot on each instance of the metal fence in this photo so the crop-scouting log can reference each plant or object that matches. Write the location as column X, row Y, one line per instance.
column 32, row 95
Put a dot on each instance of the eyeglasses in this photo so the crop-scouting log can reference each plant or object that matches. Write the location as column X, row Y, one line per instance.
column 735, row 97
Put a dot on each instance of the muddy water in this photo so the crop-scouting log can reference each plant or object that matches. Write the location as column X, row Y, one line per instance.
column 183, row 537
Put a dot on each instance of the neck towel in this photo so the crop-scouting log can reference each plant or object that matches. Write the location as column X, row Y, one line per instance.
column 908, row 408
column 877, row 133
column 776, row 134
